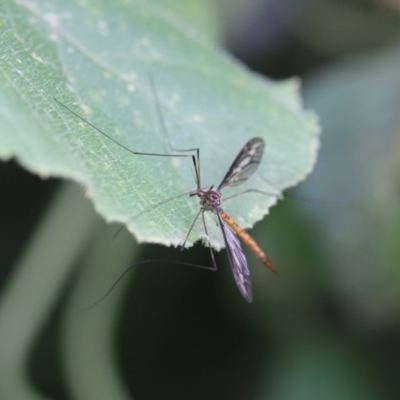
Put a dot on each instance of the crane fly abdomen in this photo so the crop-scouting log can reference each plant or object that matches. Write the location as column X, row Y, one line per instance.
column 247, row 240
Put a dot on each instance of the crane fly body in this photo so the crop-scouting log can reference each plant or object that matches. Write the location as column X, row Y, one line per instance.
column 241, row 169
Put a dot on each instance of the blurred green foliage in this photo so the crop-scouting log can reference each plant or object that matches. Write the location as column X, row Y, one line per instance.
column 326, row 327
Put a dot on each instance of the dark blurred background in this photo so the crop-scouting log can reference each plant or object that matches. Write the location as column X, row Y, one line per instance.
column 328, row 326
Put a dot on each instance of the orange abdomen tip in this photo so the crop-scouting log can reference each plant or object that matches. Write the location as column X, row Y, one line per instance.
column 267, row 262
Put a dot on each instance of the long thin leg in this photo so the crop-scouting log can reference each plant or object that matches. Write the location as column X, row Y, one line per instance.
column 165, row 131
column 161, row 117
column 278, row 195
column 209, row 243
column 160, row 203
column 195, row 158
column 120, row 144
column 98, row 301
column 190, row 230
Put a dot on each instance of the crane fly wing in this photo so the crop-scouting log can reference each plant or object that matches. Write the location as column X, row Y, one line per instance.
column 244, row 164
column 238, row 261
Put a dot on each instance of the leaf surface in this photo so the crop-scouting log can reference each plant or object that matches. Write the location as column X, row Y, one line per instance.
column 95, row 57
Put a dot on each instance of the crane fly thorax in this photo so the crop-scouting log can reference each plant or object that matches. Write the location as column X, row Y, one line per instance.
column 209, row 199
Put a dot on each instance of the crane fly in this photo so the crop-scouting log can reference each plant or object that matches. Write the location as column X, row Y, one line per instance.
column 241, row 169
column 244, row 165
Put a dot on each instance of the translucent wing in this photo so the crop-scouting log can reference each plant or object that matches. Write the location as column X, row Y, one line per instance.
column 238, row 261
column 244, row 164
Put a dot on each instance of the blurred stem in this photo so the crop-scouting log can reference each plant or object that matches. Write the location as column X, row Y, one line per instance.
column 38, row 278
column 89, row 352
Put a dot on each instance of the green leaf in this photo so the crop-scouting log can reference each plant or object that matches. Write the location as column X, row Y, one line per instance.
column 95, row 58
